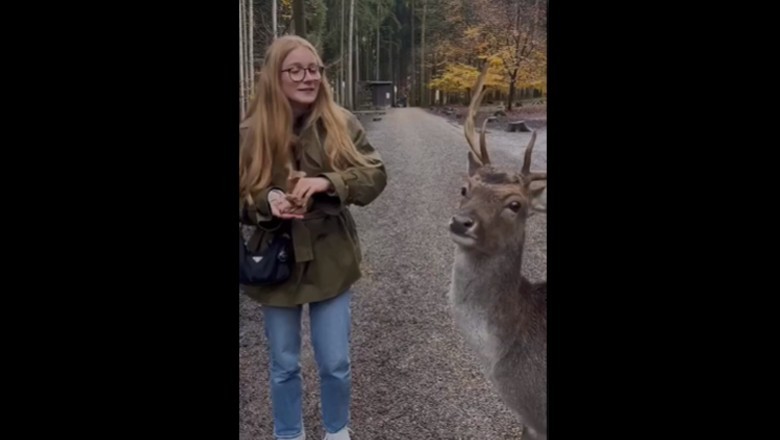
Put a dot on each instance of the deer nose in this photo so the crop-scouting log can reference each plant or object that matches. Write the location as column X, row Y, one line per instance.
column 460, row 224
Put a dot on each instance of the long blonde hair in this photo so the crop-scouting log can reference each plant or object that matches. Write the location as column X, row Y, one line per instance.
column 271, row 122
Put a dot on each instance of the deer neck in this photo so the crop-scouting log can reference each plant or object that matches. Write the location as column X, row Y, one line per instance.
column 481, row 277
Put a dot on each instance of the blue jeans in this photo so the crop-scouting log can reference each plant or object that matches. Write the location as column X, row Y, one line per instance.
column 330, row 336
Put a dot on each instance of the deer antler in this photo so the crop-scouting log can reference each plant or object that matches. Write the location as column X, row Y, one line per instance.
column 480, row 155
column 528, row 176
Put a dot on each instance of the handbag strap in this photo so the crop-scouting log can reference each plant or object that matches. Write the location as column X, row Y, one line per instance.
column 285, row 227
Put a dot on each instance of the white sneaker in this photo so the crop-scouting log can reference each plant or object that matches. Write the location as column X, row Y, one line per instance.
column 341, row 435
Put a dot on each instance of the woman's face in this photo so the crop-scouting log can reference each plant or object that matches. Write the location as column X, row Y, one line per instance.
column 299, row 84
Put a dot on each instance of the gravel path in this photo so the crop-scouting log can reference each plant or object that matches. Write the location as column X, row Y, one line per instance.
column 413, row 375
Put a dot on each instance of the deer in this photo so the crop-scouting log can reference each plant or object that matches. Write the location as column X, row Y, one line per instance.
column 500, row 313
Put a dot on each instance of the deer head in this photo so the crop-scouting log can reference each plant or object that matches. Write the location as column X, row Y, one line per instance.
column 495, row 203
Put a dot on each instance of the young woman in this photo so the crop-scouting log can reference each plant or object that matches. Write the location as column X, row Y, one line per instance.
column 295, row 127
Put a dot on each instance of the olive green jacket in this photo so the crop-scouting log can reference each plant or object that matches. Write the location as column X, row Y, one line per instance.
column 326, row 245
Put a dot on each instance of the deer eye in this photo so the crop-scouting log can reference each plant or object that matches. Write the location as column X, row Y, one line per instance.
column 515, row 206
column 463, row 191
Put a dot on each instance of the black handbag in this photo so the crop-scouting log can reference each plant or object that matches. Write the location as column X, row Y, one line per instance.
column 272, row 265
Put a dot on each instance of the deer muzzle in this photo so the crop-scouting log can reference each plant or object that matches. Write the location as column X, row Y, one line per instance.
column 462, row 225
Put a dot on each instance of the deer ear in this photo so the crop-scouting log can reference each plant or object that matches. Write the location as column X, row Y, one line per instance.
column 538, row 194
column 474, row 165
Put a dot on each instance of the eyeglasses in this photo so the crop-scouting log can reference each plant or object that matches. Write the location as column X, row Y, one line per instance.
column 298, row 73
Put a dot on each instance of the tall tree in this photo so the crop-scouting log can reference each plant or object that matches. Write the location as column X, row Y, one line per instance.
column 423, row 95
column 341, row 56
column 350, row 84
column 412, row 94
column 378, row 24
column 514, row 34
column 241, row 60
column 299, row 18
column 274, row 15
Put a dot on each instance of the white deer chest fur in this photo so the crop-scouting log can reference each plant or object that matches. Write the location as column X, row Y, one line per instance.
column 475, row 326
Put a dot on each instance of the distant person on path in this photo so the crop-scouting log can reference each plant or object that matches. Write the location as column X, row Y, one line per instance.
column 295, row 127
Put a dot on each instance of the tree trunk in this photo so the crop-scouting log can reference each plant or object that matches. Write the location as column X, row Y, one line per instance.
column 242, row 77
column 274, row 14
column 413, row 76
column 367, row 59
column 431, row 72
column 423, row 95
column 378, row 23
column 511, row 98
column 251, row 48
column 390, row 65
column 357, row 65
column 299, row 18
column 247, row 70
column 350, row 102
column 341, row 57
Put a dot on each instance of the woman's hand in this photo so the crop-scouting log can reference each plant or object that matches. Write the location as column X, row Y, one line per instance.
column 281, row 207
column 308, row 186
